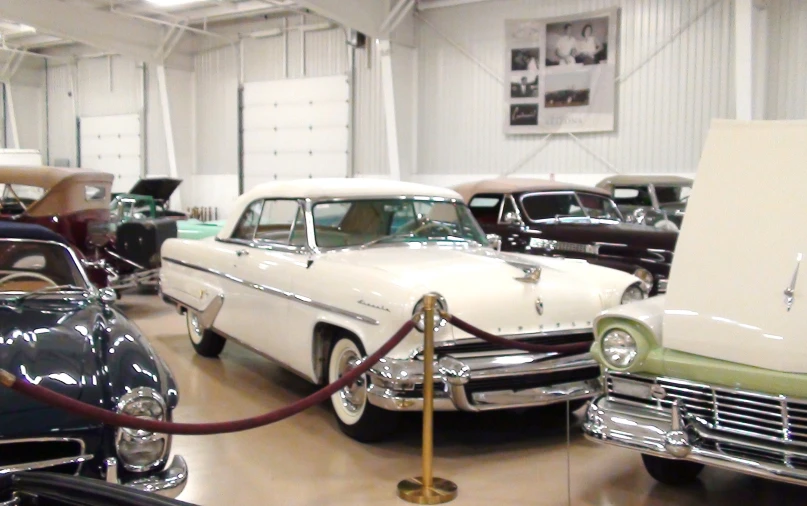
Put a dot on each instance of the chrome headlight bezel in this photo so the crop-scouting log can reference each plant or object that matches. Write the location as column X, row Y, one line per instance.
column 633, row 293
column 619, row 348
column 132, row 437
column 439, row 321
column 647, row 278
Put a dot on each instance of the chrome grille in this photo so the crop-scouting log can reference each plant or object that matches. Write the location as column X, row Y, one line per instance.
column 762, row 417
column 474, row 346
column 52, row 453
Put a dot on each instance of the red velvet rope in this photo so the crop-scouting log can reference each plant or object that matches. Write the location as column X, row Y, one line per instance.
column 200, row 429
column 518, row 345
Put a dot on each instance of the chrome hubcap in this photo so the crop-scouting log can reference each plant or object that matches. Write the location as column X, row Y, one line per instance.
column 197, row 328
column 353, row 396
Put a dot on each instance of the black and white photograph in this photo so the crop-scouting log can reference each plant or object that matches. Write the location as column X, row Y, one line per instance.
column 525, row 59
column 523, row 87
column 567, row 90
column 583, row 41
column 523, row 114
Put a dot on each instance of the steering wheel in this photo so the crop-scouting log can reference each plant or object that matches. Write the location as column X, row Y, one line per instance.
column 34, row 275
column 429, row 225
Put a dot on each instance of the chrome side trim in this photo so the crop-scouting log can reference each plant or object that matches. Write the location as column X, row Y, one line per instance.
column 79, row 459
column 278, row 292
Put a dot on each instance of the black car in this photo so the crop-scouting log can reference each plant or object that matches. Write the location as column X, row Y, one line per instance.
column 51, row 489
column 560, row 219
column 57, row 330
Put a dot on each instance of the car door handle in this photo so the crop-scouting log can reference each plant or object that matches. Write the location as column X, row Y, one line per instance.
column 242, row 252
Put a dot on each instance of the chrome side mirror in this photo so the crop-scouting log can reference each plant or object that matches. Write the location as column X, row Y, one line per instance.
column 511, row 218
column 107, row 295
column 495, row 241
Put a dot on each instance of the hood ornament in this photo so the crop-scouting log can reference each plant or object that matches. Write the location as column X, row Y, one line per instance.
column 790, row 291
column 531, row 275
column 539, row 306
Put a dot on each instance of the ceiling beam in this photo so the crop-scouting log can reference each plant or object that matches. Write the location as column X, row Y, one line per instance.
column 366, row 16
column 103, row 30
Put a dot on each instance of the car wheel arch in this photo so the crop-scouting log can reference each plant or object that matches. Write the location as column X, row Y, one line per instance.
column 324, row 336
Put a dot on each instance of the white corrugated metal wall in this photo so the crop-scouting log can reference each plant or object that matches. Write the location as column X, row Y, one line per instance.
column 787, row 60
column 27, row 90
column 664, row 107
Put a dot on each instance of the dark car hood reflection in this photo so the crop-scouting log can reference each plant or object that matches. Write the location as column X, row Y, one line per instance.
column 50, row 344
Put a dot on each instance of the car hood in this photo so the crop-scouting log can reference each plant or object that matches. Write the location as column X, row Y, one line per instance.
column 482, row 286
column 46, row 346
column 78, row 349
column 727, row 294
column 161, row 188
column 614, row 233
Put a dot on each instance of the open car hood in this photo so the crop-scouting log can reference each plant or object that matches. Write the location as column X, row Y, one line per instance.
column 729, row 285
column 161, row 188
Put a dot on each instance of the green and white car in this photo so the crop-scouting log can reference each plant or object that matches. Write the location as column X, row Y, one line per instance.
column 715, row 372
column 148, row 199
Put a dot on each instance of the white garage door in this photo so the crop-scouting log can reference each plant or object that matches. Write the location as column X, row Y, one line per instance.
column 295, row 128
column 113, row 144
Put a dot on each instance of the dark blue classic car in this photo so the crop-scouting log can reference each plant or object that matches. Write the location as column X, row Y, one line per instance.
column 61, row 332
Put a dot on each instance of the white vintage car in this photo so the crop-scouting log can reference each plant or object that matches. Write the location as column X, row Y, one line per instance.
column 715, row 372
column 314, row 274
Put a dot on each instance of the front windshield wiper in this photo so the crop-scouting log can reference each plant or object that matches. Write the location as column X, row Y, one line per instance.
column 386, row 238
column 44, row 291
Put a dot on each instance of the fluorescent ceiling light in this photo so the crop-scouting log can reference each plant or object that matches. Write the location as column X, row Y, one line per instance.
column 172, row 3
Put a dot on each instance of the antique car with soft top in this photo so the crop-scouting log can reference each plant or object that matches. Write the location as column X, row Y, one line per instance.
column 659, row 201
column 552, row 218
column 316, row 274
column 75, row 204
column 59, row 331
column 714, row 373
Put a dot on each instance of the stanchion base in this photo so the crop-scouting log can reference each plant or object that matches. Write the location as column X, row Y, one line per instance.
column 441, row 491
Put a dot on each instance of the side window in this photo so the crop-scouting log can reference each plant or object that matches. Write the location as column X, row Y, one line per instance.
column 485, row 208
column 249, row 221
column 281, row 221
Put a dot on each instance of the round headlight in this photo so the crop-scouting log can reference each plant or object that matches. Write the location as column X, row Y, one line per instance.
column 666, row 225
column 140, row 450
column 633, row 293
column 646, row 277
column 619, row 348
column 439, row 321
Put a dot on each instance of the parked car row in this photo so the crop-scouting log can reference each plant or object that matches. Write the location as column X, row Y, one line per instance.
column 694, row 361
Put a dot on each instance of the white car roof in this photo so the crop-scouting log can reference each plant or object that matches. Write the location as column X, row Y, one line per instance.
column 344, row 188
column 338, row 188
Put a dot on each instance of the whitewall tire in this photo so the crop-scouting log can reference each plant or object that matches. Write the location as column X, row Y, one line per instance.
column 206, row 342
column 356, row 416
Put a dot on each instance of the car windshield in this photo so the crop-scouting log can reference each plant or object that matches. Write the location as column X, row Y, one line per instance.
column 569, row 205
column 672, row 194
column 371, row 221
column 28, row 266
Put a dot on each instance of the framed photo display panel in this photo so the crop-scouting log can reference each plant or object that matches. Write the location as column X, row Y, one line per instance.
column 561, row 74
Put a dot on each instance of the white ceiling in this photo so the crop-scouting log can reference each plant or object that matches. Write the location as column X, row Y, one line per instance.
column 198, row 14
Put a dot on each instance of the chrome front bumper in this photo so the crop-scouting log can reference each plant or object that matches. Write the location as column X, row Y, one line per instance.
column 485, row 383
column 670, row 434
column 169, row 482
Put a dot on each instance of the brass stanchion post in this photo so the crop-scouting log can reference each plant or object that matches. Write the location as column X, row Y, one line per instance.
column 427, row 489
